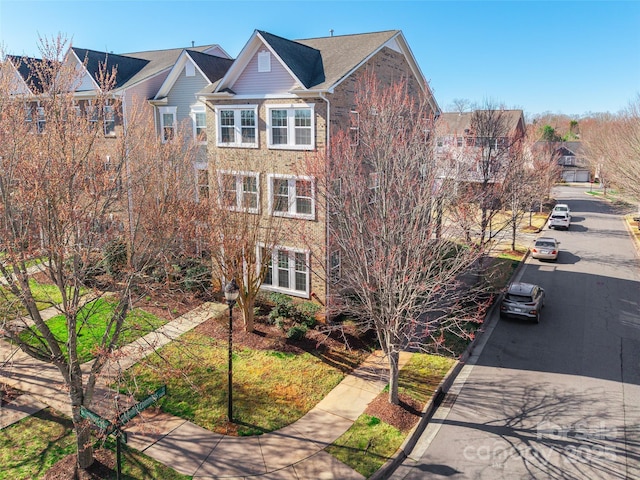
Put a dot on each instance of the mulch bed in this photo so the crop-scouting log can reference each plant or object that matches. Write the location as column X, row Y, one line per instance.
column 104, row 466
column 403, row 416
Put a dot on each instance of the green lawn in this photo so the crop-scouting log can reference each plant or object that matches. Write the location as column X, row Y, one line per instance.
column 370, row 442
column 30, row 447
column 45, row 295
column 270, row 389
column 96, row 314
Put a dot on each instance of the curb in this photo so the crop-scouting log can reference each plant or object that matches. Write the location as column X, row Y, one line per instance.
column 436, row 399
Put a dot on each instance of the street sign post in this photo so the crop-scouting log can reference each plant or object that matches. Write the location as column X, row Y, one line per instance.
column 109, row 428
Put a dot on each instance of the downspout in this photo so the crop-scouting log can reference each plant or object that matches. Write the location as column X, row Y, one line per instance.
column 127, row 170
column 326, row 166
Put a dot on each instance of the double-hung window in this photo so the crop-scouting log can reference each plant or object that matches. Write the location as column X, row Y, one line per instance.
column 199, row 117
column 237, row 126
column 168, row 123
column 41, row 119
column 109, row 120
column 239, row 191
column 287, row 270
column 291, row 196
column 291, row 126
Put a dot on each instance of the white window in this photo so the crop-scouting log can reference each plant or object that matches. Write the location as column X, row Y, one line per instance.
column 291, row 127
column 199, row 118
column 239, row 191
column 109, row 120
column 202, row 177
column 189, row 69
column 354, row 127
column 167, row 123
column 287, row 271
column 41, row 119
column 237, row 126
column 291, row 196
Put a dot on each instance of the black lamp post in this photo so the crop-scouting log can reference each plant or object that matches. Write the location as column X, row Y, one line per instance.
column 231, row 291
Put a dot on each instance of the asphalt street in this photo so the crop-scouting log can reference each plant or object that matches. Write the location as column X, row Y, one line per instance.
column 559, row 399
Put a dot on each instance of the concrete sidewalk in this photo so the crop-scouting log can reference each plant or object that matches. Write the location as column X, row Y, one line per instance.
column 293, row 452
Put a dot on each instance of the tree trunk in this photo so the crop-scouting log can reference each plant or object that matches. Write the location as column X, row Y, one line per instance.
column 247, row 307
column 393, row 377
column 83, row 440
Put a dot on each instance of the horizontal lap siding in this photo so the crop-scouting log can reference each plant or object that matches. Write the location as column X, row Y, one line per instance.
column 278, row 80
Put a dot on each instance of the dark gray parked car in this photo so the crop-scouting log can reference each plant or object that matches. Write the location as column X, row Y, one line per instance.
column 523, row 300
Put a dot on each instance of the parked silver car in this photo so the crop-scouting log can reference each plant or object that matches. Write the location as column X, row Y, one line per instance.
column 523, row 300
column 546, row 248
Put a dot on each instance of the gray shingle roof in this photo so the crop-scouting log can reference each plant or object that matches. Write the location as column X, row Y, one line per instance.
column 137, row 66
column 28, row 69
column 458, row 122
column 340, row 54
column 304, row 61
column 126, row 67
column 212, row 66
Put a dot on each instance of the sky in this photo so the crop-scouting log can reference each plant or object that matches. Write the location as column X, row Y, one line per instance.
column 561, row 57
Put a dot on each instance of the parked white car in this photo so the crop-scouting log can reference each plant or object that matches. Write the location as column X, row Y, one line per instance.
column 560, row 220
column 562, row 207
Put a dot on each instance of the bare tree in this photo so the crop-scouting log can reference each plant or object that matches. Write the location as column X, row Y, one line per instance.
column 67, row 193
column 243, row 233
column 396, row 275
column 493, row 136
column 614, row 144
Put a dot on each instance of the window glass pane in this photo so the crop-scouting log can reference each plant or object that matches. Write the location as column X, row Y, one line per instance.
column 301, row 271
column 250, row 191
column 201, row 126
column 227, row 123
column 303, row 197
column 280, row 195
column 266, row 255
column 248, row 123
column 303, row 127
column 229, row 190
column 109, row 120
column 283, row 269
column 203, row 183
column 279, row 127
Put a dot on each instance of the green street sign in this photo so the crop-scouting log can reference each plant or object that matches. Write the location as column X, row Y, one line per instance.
column 100, row 422
column 134, row 411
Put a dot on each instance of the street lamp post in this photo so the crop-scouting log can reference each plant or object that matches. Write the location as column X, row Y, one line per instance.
column 231, row 291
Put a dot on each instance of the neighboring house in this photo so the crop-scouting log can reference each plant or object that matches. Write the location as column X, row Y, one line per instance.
column 461, row 149
column 175, row 103
column 575, row 167
column 280, row 101
column 570, row 158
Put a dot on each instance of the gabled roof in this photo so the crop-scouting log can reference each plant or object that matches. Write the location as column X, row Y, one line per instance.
column 211, row 67
column 28, row 68
column 126, row 67
column 305, row 62
column 320, row 64
column 135, row 67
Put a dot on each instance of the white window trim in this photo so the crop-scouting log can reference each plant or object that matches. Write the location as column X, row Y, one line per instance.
column 237, row 126
column 172, row 111
column 274, row 266
column 291, row 107
column 239, row 175
column 291, row 213
column 195, row 109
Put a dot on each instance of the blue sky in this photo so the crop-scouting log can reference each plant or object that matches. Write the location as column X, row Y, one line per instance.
column 572, row 57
